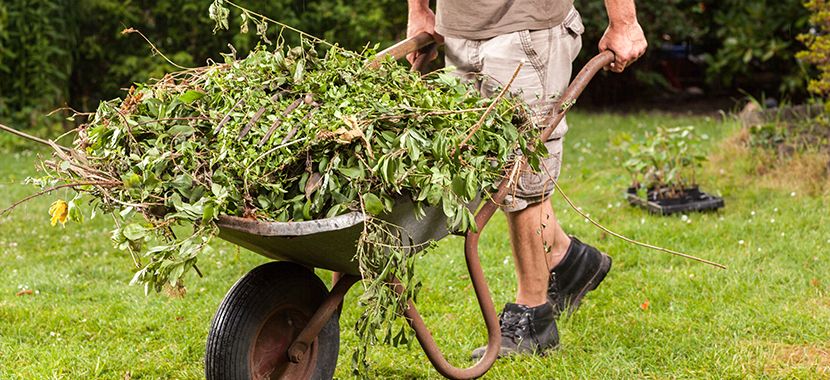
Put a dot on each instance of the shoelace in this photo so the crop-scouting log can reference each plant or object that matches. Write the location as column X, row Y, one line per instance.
column 514, row 325
column 553, row 288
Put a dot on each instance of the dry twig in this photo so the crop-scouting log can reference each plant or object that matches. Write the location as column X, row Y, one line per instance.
column 58, row 187
column 480, row 122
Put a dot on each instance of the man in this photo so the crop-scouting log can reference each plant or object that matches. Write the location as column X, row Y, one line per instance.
column 486, row 41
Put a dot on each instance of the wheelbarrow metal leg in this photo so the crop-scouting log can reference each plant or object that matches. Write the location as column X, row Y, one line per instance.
column 485, row 303
column 300, row 346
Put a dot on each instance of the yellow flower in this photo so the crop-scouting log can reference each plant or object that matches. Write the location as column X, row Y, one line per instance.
column 59, row 212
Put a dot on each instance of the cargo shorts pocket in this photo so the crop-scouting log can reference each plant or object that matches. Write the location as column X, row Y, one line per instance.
column 572, row 29
column 534, row 55
column 573, row 24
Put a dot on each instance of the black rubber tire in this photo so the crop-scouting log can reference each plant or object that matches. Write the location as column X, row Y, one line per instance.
column 250, row 303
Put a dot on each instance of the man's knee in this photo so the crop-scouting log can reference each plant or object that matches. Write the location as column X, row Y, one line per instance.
column 532, row 187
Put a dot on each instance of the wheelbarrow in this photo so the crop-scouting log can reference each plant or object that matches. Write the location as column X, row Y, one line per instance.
column 280, row 321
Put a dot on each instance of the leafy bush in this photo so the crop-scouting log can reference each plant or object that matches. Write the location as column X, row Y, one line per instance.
column 4, row 50
column 35, row 56
column 818, row 48
column 63, row 51
column 789, row 137
column 73, row 52
column 755, row 40
column 666, row 21
column 4, row 35
column 747, row 44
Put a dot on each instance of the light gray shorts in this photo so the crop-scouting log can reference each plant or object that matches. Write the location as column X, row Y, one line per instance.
column 547, row 57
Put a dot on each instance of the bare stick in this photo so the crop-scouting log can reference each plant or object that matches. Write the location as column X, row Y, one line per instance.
column 279, row 120
column 296, row 127
column 258, row 115
column 489, row 109
column 53, row 188
column 228, row 116
column 74, row 112
column 632, row 241
column 33, row 138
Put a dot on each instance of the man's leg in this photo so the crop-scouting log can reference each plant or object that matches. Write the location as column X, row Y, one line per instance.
column 543, row 253
column 539, row 244
column 571, row 268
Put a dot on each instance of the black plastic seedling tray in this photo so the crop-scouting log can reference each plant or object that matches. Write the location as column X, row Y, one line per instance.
column 692, row 200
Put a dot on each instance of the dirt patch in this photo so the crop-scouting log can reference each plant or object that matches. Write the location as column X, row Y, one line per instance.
column 786, row 358
column 803, row 172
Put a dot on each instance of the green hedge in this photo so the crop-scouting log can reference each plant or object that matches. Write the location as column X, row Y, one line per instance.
column 35, row 58
column 745, row 44
column 56, row 52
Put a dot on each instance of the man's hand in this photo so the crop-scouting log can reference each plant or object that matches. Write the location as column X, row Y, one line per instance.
column 421, row 19
column 624, row 35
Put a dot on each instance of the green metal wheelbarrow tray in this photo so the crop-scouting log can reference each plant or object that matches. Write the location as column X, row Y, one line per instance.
column 280, row 321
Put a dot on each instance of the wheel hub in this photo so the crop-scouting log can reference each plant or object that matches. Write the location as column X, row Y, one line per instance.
column 269, row 352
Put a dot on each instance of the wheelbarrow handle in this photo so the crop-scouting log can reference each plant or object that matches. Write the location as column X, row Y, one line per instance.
column 568, row 98
column 423, row 41
column 485, row 301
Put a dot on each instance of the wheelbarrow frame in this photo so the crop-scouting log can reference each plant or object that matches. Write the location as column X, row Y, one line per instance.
column 281, row 240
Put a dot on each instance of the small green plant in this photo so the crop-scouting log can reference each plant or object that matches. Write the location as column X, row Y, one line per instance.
column 664, row 162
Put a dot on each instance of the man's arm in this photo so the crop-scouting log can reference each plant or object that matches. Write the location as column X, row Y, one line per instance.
column 421, row 19
column 624, row 35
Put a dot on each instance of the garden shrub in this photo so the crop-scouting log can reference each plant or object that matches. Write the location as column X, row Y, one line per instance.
column 799, row 147
column 35, row 55
column 667, row 21
column 57, row 52
column 747, row 44
column 818, row 49
column 4, row 51
column 71, row 51
column 754, row 43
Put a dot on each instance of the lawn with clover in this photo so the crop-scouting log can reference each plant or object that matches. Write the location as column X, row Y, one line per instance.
column 67, row 311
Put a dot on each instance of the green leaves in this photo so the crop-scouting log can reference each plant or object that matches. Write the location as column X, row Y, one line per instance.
column 665, row 159
column 373, row 204
column 134, row 232
column 190, row 96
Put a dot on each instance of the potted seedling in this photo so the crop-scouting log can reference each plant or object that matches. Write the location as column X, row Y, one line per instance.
column 663, row 167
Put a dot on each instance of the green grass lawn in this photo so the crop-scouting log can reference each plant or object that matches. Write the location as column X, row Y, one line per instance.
column 767, row 316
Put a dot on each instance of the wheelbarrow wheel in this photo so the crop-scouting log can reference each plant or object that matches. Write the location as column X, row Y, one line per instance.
column 258, row 320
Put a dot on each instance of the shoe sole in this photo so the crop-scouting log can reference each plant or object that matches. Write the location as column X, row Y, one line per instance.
column 503, row 353
column 596, row 279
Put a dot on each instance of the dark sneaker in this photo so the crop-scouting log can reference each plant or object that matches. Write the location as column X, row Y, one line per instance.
column 582, row 270
column 525, row 330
